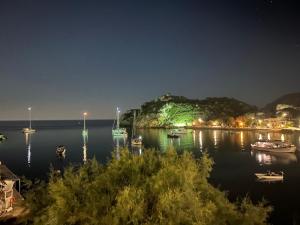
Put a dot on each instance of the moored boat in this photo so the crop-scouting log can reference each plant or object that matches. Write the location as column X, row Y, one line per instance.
column 61, row 150
column 179, row 131
column 172, row 135
column 270, row 176
column 2, row 137
column 137, row 141
column 273, row 146
column 29, row 130
column 117, row 131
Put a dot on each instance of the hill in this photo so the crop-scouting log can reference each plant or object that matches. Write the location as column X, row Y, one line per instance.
column 291, row 100
column 169, row 110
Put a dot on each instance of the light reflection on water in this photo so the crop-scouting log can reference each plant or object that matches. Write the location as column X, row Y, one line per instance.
column 221, row 140
column 231, row 151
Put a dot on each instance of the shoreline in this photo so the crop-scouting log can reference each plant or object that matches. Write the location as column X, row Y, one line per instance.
column 295, row 129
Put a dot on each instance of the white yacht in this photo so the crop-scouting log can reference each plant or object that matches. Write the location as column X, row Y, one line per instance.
column 179, row 131
column 29, row 130
column 273, row 146
column 269, row 176
column 117, row 131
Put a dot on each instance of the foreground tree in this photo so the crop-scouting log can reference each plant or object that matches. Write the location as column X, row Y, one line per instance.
column 147, row 189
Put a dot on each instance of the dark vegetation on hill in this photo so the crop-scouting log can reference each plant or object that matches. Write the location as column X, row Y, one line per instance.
column 292, row 99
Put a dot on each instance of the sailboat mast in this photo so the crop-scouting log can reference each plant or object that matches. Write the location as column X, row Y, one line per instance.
column 118, row 118
column 84, row 114
column 133, row 123
column 29, row 111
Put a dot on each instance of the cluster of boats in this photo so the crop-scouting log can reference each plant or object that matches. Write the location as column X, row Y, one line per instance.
column 274, row 146
column 117, row 131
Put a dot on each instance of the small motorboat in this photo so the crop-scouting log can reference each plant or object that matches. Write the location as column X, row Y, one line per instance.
column 273, row 146
column 61, row 150
column 270, row 176
column 179, row 131
column 137, row 141
column 172, row 135
column 2, row 137
column 28, row 130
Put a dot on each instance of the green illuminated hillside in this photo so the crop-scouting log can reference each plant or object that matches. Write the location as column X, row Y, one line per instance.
column 169, row 111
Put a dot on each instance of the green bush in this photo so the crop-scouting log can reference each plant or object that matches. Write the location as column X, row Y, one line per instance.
column 152, row 188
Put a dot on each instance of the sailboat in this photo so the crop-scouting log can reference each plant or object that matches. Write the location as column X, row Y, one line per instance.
column 136, row 141
column 29, row 130
column 116, row 130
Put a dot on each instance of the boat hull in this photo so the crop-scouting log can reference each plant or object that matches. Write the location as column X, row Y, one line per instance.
column 262, row 176
column 28, row 131
column 119, row 132
column 290, row 149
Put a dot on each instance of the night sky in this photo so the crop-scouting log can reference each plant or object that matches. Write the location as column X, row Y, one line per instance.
column 65, row 57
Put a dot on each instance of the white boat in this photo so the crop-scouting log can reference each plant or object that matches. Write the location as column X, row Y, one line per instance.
column 29, row 130
column 269, row 176
column 179, row 131
column 61, row 150
column 135, row 141
column 273, row 146
column 117, row 131
column 172, row 135
column 2, row 137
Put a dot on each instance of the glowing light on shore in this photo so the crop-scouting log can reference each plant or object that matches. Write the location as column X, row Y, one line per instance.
column 179, row 124
column 200, row 141
column 282, row 138
column 260, row 137
column 215, row 138
column 242, row 140
column 269, row 136
column 194, row 137
column 200, row 120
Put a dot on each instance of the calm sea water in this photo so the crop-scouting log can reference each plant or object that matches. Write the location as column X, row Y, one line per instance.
column 235, row 164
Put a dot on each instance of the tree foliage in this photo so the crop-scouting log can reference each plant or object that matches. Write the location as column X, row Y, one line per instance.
column 152, row 188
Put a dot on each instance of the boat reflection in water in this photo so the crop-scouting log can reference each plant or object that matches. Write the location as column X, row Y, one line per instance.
column 84, row 148
column 274, row 158
column 28, row 147
column 119, row 141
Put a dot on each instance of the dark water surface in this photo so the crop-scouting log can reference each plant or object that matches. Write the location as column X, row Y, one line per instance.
column 235, row 164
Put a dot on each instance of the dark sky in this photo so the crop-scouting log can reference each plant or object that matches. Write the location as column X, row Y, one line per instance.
column 65, row 57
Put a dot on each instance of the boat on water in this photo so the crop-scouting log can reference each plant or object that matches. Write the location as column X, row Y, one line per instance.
column 29, row 130
column 273, row 146
column 270, row 176
column 61, row 150
column 117, row 130
column 2, row 137
column 179, row 131
column 135, row 140
column 172, row 135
